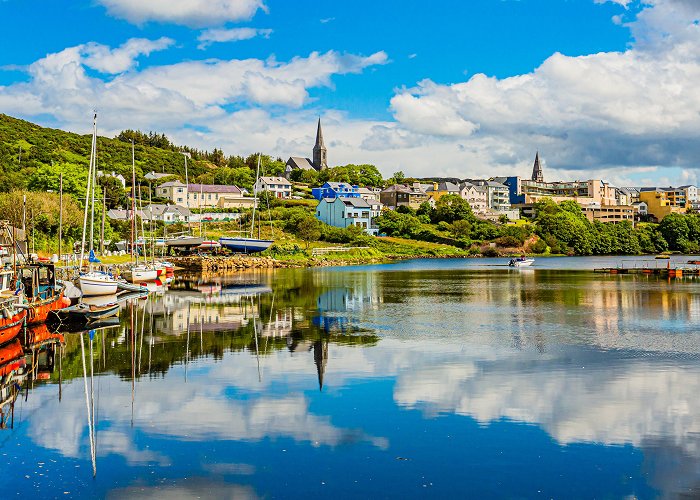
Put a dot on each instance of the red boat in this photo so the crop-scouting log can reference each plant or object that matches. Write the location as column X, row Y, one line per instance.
column 41, row 290
column 11, row 357
column 11, row 320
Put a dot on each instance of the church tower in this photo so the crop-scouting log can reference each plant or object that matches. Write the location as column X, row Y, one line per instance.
column 320, row 159
column 537, row 174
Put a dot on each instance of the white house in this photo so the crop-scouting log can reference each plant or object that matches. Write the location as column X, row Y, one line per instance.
column 114, row 175
column 204, row 195
column 278, row 186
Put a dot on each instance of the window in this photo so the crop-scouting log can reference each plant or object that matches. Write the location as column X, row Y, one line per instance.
column 179, row 190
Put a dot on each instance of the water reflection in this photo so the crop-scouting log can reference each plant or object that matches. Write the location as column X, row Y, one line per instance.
column 331, row 365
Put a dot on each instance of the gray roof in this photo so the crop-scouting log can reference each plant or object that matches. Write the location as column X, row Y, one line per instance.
column 172, row 184
column 355, row 202
column 155, row 175
column 299, row 162
column 213, row 188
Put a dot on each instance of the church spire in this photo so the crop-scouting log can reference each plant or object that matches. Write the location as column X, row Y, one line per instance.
column 320, row 152
column 537, row 174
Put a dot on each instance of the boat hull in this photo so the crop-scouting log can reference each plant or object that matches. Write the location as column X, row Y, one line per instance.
column 245, row 245
column 40, row 310
column 97, row 286
column 139, row 276
column 10, row 327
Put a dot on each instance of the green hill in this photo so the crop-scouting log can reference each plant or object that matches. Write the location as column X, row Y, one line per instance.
column 26, row 147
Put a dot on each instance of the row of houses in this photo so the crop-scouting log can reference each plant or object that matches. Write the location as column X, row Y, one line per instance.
column 221, row 196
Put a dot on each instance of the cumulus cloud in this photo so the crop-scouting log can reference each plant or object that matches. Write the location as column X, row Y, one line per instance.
column 195, row 13
column 169, row 96
column 215, row 35
column 640, row 107
column 123, row 58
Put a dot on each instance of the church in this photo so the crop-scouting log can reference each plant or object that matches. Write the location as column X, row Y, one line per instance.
column 319, row 162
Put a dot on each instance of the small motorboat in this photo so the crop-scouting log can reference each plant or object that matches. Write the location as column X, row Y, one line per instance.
column 521, row 262
column 141, row 273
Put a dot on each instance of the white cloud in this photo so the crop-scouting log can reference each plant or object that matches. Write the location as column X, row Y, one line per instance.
column 195, row 13
column 215, row 35
column 123, row 58
column 166, row 97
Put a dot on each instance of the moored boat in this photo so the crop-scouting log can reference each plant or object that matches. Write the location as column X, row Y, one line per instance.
column 12, row 319
column 141, row 273
column 41, row 290
column 85, row 313
column 245, row 245
column 95, row 283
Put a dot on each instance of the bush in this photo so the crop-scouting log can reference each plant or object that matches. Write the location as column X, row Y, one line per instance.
column 538, row 247
column 490, row 252
column 508, row 241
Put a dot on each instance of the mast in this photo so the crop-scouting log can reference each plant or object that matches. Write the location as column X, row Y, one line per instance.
column 133, row 198
column 102, row 228
column 255, row 195
column 143, row 234
column 87, row 192
column 92, row 194
column 60, row 214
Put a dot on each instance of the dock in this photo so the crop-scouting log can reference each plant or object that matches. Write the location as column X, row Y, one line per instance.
column 657, row 270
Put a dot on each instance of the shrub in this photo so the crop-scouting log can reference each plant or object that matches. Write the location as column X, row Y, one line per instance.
column 538, row 247
column 508, row 241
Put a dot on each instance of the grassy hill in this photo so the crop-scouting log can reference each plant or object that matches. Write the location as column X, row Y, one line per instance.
column 25, row 147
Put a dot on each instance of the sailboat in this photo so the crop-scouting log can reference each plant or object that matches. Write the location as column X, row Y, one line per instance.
column 138, row 272
column 93, row 282
column 241, row 244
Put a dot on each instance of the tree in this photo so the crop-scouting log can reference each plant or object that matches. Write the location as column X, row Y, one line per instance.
column 461, row 229
column 451, row 207
column 47, row 178
column 115, row 196
column 308, row 229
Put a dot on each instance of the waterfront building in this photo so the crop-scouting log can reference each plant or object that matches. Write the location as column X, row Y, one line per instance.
column 663, row 201
column 369, row 194
column 476, row 196
column 641, row 208
column 204, row 195
column 439, row 189
column 336, row 190
column 497, row 194
column 280, row 187
column 610, row 213
column 319, row 155
column 156, row 212
column 346, row 212
column 401, row 195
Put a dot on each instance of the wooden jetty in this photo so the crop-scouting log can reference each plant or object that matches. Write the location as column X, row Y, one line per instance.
column 644, row 268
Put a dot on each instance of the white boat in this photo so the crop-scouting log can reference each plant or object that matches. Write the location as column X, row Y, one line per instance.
column 245, row 245
column 521, row 262
column 97, row 283
column 141, row 273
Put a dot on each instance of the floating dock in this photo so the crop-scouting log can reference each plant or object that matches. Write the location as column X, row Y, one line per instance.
column 667, row 270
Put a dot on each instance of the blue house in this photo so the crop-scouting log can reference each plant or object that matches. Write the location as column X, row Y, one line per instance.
column 346, row 212
column 335, row 190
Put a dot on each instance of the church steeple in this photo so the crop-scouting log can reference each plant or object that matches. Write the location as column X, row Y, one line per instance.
column 537, row 174
column 320, row 152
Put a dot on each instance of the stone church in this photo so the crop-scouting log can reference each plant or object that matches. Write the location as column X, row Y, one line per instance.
column 320, row 159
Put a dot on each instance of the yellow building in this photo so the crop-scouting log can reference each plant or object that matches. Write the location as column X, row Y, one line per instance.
column 662, row 202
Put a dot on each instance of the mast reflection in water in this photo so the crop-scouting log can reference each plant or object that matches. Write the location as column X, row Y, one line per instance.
column 376, row 381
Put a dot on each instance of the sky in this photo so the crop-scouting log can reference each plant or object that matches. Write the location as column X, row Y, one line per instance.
column 601, row 88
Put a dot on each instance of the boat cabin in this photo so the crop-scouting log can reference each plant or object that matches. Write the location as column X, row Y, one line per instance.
column 38, row 281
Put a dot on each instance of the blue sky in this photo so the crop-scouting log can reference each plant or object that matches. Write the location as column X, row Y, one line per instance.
column 601, row 88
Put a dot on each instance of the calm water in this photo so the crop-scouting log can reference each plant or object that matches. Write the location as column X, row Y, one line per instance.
column 425, row 378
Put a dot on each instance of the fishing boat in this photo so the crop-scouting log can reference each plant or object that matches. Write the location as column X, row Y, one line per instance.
column 42, row 291
column 248, row 244
column 521, row 262
column 12, row 314
column 12, row 319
